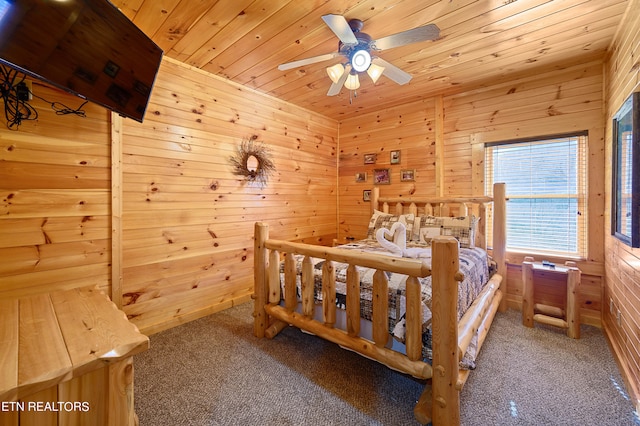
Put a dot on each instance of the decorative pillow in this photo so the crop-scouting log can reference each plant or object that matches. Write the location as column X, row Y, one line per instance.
column 462, row 228
column 386, row 220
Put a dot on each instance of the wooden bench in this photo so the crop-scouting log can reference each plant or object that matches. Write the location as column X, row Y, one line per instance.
column 67, row 358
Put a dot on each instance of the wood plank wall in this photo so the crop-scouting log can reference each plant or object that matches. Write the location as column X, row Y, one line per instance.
column 55, row 199
column 187, row 220
column 409, row 129
column 622, row 263
column 453, row 129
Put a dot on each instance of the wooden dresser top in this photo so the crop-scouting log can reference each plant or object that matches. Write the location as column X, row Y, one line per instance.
column 50, row 338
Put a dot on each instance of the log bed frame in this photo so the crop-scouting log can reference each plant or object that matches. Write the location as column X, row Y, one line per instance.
column 440, row 401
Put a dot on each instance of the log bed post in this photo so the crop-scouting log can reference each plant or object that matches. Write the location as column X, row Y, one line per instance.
column 261, row 289
column 445, row 395
column 500, row 237
column 375, row 199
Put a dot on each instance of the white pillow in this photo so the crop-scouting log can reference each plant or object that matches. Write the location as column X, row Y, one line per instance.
column 386, row 220
column 463, row 228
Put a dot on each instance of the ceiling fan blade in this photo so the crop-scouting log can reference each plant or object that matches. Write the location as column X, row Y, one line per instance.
column 392, row 72
column 341, row 28
column 424, row 33
column 335, row 87
column 307, row 61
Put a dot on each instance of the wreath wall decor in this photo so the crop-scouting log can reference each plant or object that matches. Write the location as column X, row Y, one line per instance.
column 252, row 161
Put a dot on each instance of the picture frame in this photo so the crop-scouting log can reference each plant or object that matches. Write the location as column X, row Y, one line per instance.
column 370, row 158
column 361, row 177
column 407, row 175
column 395, row 157
column 625, row 190
column 366, row 195
column 381, row 176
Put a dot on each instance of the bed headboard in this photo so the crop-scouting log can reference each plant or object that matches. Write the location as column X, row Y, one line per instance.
column 439, row 206
column 459, row 206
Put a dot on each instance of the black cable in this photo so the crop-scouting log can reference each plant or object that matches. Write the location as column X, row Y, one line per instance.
column 62, row 109
column 16, row 108
column 16, row 94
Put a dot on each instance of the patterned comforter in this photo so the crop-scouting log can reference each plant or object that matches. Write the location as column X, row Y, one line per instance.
column 473, row 264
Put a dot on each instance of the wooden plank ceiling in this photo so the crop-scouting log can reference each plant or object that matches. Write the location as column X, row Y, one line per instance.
column 481, row 43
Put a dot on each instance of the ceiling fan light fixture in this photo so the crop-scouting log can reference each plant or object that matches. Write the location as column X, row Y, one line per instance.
column 352, row 82
column 375, row 71
column 361, row 60
column 335, row 72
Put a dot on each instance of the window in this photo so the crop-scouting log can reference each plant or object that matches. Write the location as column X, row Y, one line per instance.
column 546, row 188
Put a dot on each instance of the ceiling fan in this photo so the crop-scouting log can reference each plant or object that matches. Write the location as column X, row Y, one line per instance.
column 360, row 51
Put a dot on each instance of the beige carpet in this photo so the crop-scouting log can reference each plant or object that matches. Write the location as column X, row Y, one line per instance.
column 214, row 372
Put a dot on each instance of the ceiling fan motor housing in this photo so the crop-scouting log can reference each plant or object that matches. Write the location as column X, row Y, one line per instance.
column 364, row 44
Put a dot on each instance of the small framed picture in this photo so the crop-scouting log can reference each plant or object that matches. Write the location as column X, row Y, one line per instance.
column 407, row 175
column 395, row 157
column 361, row 177
column 370, row 158
column 381, row 177
column 366, row 195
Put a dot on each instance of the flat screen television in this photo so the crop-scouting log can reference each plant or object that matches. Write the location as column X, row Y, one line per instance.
column 86, row 47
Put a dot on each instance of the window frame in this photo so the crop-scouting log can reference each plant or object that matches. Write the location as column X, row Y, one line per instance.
column 581, row 196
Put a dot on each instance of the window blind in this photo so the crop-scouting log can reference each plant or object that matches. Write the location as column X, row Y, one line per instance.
column 546, row 188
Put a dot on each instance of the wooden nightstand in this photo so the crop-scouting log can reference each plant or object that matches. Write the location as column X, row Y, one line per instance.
column 549, row 314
